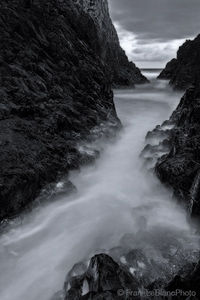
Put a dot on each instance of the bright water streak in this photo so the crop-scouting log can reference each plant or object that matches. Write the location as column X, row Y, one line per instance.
column 112, row 195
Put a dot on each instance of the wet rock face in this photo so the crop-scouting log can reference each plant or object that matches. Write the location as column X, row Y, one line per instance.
column 179, row 166
column 187, row 280
column 185, row 69
column 103, row 279
column 54, row 90
column 127, row 274
column 158, row 144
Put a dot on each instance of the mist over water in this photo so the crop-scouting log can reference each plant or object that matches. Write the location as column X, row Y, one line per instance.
column 115, row 197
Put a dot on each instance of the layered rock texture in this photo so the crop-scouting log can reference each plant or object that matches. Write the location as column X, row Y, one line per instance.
column 58, row 61
column 185, row 69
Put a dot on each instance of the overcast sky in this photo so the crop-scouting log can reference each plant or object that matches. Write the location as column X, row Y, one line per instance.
column 151, row 30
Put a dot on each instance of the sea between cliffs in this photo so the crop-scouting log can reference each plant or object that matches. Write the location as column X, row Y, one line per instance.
column 119, row 203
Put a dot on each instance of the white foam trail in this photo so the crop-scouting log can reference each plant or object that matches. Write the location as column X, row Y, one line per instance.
column 112, row 195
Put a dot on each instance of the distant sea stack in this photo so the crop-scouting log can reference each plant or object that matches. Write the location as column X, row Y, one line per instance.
column 106, row 44
column 184, row 70
column 58, row 63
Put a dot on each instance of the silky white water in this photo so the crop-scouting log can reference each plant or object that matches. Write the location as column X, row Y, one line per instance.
column 113, row 194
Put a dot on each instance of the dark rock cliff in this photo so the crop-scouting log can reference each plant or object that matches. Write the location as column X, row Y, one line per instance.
column 58, row 61
column 55, row 87
column 106, row 44
column 185, row 69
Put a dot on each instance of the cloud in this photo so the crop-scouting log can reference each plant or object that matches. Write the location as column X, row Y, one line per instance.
column 152, row 30
column 147, row 52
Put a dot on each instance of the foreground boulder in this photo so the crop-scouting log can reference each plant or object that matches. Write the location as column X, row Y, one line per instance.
column 127, row 272
column 134, row 277
column 103, row 279
column 184, row 70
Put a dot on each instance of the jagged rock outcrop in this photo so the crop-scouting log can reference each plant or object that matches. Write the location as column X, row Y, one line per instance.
column 181, row 166
column 185, row 69
column 55, row 88
column 103, row 279
column 175, row 154
column 106, row 44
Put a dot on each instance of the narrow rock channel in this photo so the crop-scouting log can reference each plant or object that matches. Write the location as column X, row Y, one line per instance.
column 119, row 208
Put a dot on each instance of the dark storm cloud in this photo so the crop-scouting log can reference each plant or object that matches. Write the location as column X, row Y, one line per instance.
column 152, row 30
column 158, row 19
